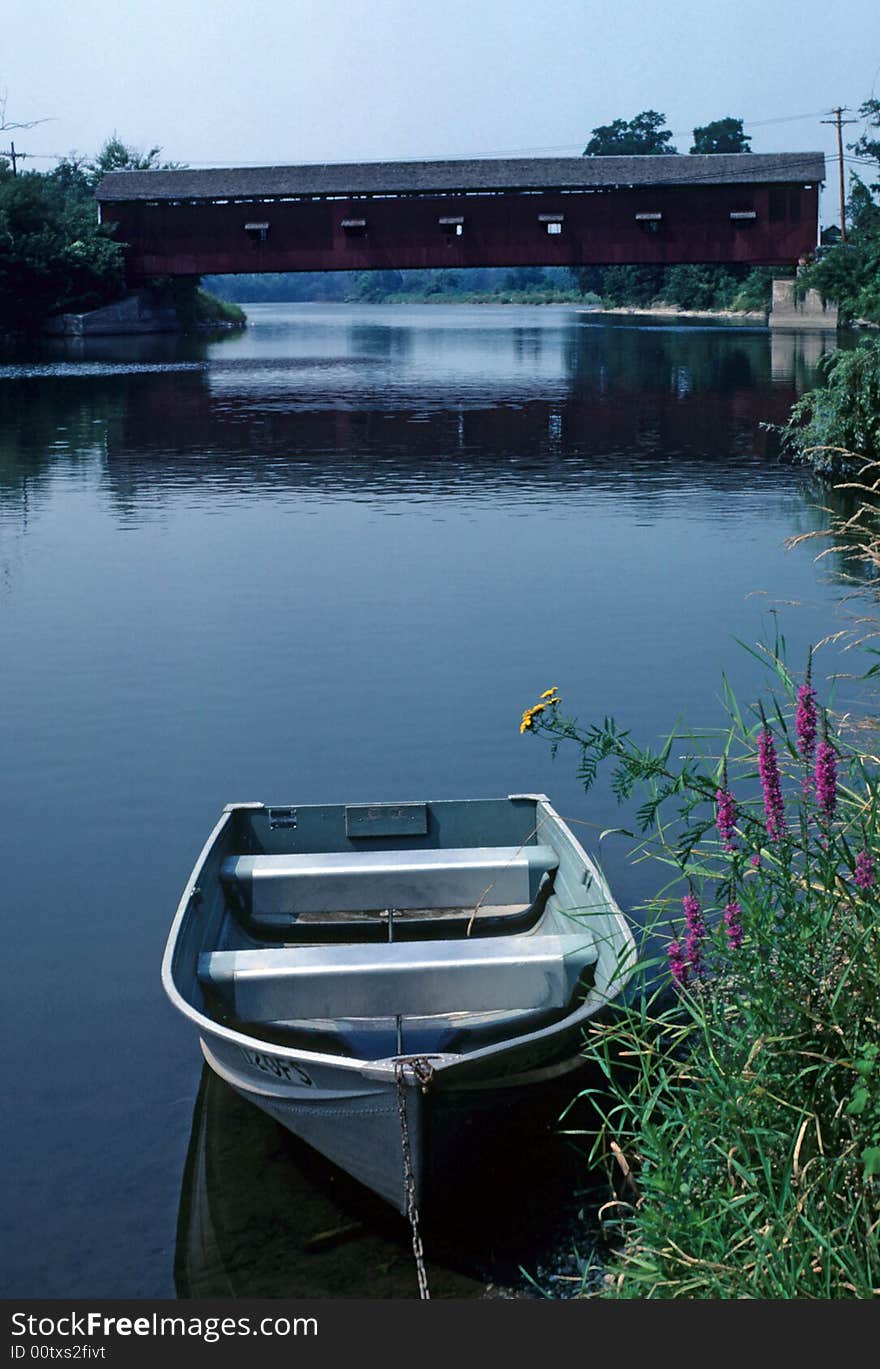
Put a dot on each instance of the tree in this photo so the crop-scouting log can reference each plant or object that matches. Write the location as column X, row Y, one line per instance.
column 868, row 146
column 850, row 272
column 116, row 155
column 721, row 135
column 54, row 255
column 642, row 136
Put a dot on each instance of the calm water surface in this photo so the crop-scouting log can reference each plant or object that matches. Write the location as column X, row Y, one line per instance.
column 330, row 559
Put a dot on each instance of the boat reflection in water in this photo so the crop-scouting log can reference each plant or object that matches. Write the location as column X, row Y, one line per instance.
column 263, row 1215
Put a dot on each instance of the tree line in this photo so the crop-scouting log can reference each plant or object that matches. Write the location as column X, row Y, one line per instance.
column 54, row 255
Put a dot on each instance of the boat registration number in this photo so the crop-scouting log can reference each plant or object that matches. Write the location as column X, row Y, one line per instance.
column 279, row 1069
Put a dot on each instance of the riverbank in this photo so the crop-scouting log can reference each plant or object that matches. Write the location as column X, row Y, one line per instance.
column 582, row 303
column 178, row 308
column 671, row 311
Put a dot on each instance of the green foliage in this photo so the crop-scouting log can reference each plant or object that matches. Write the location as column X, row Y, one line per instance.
column 754, row 291
column 836, row 427
column 869, row 143
column 698, row 287
column 478, row 285
column 633, row 285
column 116, row 155
column 197, row 308
column 721, row 135
column 684, row 286
column 271, row 287
column 850, row 272
column 54, row 256
column 642, row 136
column 739, row 1117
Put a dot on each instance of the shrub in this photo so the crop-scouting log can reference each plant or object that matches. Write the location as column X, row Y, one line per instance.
column 742, row 1110
column 836, row 427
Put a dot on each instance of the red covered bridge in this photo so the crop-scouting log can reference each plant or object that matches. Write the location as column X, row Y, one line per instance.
column 749, row 208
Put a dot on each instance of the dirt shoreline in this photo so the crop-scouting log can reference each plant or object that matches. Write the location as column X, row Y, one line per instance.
column 670, row 311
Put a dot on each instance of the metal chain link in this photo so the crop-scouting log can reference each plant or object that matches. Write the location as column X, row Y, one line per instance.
column 423, row 1071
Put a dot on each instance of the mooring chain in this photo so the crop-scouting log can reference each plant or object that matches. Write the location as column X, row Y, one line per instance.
column 423, row 1071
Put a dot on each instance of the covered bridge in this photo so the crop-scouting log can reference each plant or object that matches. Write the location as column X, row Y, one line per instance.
column 749, row 208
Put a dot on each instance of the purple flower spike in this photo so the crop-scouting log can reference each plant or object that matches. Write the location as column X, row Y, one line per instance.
column 677, row 964
column 696, row 933
column 733, row 926
column 725, row 818
column 863, row 876
column 768, row 769
column 806, row 720
column 826, row 779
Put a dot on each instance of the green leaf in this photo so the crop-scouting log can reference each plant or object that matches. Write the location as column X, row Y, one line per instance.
column 860, row 1100
column 870, row 1158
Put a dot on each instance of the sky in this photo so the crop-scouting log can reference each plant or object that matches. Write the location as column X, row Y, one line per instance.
column 227, row 82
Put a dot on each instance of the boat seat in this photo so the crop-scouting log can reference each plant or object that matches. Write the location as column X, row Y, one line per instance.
column 272, row 891
column 406, row 978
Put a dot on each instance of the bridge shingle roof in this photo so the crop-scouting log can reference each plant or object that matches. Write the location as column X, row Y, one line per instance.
column 453, row 177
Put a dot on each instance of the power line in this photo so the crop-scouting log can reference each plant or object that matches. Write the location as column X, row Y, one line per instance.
column 470, row 156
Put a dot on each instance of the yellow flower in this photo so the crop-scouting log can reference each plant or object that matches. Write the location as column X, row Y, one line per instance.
column 528, row 718
column 548, row 693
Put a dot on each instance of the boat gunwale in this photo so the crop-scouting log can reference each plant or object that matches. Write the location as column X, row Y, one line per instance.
column 384, row 1070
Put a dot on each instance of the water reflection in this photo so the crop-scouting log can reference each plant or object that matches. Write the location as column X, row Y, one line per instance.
column 796, row 353
column 337, row 406
column 263, row 1215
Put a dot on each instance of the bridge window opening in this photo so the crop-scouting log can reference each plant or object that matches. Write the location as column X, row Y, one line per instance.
column 552, row 223
column 452, row 227
column 743, row 217
column 257, row 232
column 354, row 228
column 649, row 222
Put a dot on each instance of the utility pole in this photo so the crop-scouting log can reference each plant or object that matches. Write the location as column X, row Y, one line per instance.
column 14, row 157
column 839, row 121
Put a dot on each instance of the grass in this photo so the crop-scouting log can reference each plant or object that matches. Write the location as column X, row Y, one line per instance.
column 209, row 309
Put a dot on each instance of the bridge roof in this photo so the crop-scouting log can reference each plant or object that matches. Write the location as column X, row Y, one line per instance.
column 453, row 177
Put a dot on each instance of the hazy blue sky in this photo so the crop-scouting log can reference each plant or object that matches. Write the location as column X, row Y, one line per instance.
column 220, row 81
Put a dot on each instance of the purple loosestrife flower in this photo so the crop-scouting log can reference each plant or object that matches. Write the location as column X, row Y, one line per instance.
column 696, row 933
column 863, row 875
column 677, row 964
column 826, row 779
column 768, row 769
column 725, row 813
column 806, row 718
column 733, row 926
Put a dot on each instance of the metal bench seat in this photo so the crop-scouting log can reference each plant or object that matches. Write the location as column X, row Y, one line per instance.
column 406, row 978
column 274, row 890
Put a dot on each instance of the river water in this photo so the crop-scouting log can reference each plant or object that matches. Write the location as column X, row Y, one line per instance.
column 332, row 559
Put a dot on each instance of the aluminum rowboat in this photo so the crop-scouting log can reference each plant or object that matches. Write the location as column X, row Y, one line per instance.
column 358, row 969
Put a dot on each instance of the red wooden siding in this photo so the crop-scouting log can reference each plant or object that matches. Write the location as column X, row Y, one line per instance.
column 498, row 229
